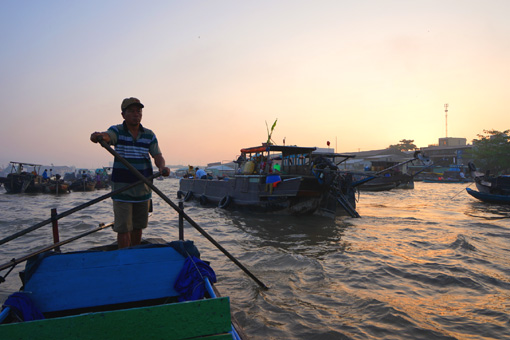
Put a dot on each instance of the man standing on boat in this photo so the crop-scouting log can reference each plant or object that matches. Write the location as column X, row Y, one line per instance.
column 45, row 175
column 135, row 143
column 200, row 174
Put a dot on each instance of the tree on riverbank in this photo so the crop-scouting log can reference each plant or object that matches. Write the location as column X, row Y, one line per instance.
column 404, row 145
column 491, row 151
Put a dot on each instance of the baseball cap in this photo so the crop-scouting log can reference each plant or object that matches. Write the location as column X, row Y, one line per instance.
column 130, row 101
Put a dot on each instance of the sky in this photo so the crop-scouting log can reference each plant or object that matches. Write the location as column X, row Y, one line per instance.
column 213, row 75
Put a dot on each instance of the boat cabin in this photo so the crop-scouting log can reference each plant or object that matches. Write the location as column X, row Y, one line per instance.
column 19, row 168
column 281, row 159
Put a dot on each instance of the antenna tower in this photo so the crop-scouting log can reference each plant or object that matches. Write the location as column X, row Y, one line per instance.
column 446, row 118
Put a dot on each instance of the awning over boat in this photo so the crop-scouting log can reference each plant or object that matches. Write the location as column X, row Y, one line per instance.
column 22, row 163
column 290, row 150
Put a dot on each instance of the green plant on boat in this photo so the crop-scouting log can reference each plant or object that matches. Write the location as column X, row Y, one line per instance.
column 270, row 133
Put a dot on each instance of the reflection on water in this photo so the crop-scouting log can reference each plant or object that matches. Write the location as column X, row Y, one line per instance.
column 428, row 263
column 307, row 235
column 488, row 211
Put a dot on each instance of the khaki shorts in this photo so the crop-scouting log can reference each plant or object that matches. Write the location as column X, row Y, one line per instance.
column 130, row 216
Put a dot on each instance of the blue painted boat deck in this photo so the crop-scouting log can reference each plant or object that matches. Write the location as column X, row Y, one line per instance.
column 87, row 279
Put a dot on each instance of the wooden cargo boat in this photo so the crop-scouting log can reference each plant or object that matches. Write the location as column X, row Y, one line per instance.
column 129, row 293
column 19, row 180
column 56, row 186
column 279, row 179
column 154, row 290
column 83, row 185
column 388, row 179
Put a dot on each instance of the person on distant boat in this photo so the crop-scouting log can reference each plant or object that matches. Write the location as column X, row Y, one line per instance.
column 131, row 207
column 241, row 159
column 200, row 173
column 45, row 175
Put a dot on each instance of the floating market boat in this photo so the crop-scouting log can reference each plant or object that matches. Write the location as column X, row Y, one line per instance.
column 279, row 179
column 489, row 198
column 497, row 185
column 155, row 290
column 19, row 180
column 449, row 176
column 57, row 186
column 388, row 179
column 379, row 184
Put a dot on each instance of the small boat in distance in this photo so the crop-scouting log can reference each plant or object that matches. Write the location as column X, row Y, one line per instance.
column 21, row 180
column 449, row 176
column 56, row 186
column 84, row 180
column 391, row 178
column 391, row 181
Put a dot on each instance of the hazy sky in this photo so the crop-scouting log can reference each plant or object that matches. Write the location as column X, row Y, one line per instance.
column 361, row 74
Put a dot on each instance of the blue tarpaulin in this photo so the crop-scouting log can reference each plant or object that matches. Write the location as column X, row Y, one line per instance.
column 23, row 306
column 273, row 179
column 190, row 283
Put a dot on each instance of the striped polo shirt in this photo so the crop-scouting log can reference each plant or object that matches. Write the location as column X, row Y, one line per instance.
column 137, row 152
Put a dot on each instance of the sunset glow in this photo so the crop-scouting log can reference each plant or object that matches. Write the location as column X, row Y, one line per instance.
column 363, row 74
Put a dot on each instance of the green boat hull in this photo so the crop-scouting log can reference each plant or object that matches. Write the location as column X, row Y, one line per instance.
column 185, row 320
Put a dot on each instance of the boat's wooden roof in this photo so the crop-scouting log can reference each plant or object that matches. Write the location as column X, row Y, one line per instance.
column 293, row 150
column 333, row 154
column 23, row 163
column 280, row 148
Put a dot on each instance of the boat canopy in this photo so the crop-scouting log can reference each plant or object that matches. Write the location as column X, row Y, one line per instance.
column 288, row 150
column 296, row 150
column 332, row 154
column 23, row 163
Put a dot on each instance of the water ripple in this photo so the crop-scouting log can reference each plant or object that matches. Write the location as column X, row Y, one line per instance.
column 427, row 263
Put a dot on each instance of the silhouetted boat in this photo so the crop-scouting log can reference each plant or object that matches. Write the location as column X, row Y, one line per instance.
column 498, row 185
column 83, row 181
column 56, row 186
column 22, row 181
column 489, row 198
column 449, row 176
column 280, row 179
column 388, row 179
column 83, row 185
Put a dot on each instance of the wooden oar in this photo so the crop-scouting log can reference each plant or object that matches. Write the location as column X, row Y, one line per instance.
column 69, row 212
column 344, row 202
column 173, row 205
column 14, row 262
column 451, row 198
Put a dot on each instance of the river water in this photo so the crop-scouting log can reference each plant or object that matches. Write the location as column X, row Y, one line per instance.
column 427, row 263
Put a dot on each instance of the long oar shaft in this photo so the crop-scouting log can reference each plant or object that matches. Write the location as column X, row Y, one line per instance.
column 70, row 211
column 462, row 190
column 173, row 205
column 14, row 262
